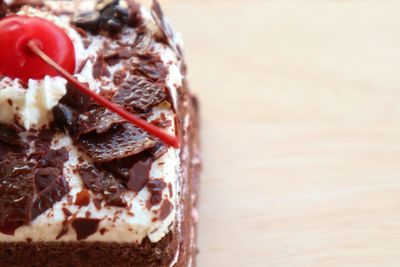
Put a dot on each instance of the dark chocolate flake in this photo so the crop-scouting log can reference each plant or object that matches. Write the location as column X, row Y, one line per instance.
column 112, row 191
column 106, row 184
column 9, row 135
column 85, row 227
column 119, row 142
column 98, row 119
column 91, row 177
column 139, row 93
column 139, row 175
column 51, row 158
column 16, row 194
column 148, row 64
column 50, row 195
column 45, row 176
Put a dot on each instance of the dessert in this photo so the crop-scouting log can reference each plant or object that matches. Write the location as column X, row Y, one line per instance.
column 83, row 182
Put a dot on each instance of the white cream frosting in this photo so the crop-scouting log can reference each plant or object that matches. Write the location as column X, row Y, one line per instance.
column 132, row 224
column 32, row 106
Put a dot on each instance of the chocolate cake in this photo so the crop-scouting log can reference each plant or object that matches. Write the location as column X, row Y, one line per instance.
column 80, row 185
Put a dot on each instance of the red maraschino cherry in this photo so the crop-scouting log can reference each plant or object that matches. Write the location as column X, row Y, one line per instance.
column 32, row 48
column 19, row 62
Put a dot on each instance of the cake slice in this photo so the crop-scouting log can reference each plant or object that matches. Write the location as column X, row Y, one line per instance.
column 79, row 185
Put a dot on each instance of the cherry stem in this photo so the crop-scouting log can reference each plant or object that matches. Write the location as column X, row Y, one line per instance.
column 144, row 125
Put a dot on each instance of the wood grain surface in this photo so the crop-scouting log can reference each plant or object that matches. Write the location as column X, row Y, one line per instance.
column 301, row 133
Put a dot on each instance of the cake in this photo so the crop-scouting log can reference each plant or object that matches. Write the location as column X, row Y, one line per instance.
column 80, row 185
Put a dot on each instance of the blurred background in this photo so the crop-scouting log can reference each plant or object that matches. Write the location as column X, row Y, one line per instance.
column 300, row 127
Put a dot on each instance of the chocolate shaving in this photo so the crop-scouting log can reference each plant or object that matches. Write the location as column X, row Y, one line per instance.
column 121, row 167
column 50, row 195
column 65, row 118
column 91, row 177
column 119, row 77
column 159, row 150
column 139, row 174
column 149, row 65
column 159, row 18
column 8, row 151
column 140, row 94
column 44, row 177
column 100, row 68
column 9, row 135
column 85, row 227
column 113, row 56
column 156, row 188
column 31, row 185
column 17, row 189
column 98, row 119
column 52, row 158
column 106, row 184
column 120, row 141
column 112, row 191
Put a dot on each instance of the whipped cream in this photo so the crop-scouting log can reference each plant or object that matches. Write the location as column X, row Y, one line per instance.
column 33, row 105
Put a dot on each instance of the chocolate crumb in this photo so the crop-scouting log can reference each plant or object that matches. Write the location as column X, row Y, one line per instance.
column 103, row 231
column 82, row 198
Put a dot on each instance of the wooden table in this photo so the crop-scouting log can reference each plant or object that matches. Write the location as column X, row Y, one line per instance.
column 301, row 130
